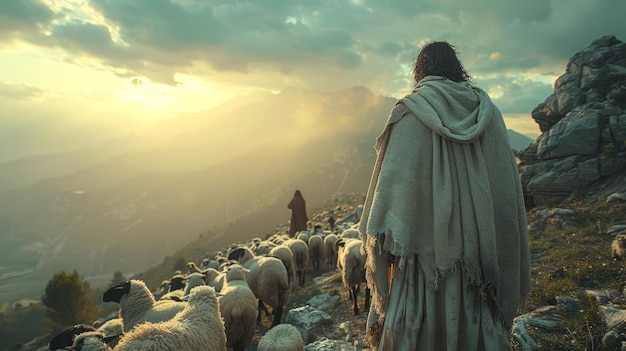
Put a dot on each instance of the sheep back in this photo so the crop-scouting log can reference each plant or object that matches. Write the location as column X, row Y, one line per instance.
column 351, row 262
column 198, row 326
column 90, row 341
column 300, row 250
column 268, row 280
column 239, row 310
column 316, row 250
column 139, row 306
column 283, row 337
column 284, row 254
column 331, row 251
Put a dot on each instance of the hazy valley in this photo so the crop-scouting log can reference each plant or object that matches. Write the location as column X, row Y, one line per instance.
column 127, row 204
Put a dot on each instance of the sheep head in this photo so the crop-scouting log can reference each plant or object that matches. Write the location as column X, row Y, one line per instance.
column 115, row 293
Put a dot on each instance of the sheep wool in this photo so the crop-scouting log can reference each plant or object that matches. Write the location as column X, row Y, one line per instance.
column 137, row 305
column 351, row 263
column 193, row 280
column 239, row 309
column 90, row 341
column 316, row 251
column 268, row 279
column 199, row 326
column 214, row 278
column 284, row 254
column 300, row 250
column 331, row 251
column 283, row 337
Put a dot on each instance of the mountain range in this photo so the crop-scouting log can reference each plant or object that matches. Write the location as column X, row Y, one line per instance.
column 225, row 174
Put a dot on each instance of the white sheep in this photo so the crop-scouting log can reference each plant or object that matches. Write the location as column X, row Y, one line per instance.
column 268, row 280
column 239, row 309
column 193, row 280
column 330, row 250
column 198, row 326
column 284, row 254
column 263, row 248
column 351, row 263
column 89, row 341
column 214, row 278
column 351, row 233
column 137, row 305
column 303, row 235
column 284, row 337
column 278, row 238
column 316, row 251
column 113, row 330
column 176, row 288
column 192, row 267
column 300, row 250
column 66, row 337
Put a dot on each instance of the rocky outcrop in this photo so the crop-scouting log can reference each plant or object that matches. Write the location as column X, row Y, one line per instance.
column 583, row 125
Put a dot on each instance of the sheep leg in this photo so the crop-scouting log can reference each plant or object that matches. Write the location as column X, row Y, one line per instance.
column 367, row 298
column 278, row 311
column 261, row 309
column 355, row 307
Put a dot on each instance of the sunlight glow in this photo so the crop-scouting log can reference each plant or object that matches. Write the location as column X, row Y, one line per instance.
column 153, row 95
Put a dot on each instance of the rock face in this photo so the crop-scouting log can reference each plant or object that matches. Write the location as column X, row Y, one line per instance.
column 583, row 125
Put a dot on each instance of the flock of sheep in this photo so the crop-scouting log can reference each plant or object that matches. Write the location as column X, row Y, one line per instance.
column 218, row 303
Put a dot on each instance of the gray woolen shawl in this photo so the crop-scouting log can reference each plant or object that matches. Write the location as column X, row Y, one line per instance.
column 445, row 190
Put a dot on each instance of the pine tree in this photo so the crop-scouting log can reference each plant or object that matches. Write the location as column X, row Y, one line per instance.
column 69, row 300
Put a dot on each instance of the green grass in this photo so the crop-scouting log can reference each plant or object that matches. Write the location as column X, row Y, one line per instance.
column 568, row 261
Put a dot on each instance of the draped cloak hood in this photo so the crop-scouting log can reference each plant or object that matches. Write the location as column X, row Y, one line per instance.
column 447, row 194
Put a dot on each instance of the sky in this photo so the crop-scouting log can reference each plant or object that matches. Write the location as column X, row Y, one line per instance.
column 77, row 72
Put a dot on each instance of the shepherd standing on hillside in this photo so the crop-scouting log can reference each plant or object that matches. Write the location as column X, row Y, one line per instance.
column 444, row 219
column 299, row 219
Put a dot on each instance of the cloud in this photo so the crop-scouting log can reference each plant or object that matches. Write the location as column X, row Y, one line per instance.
column 20, row 91
column 23, row 18
column 318, row 44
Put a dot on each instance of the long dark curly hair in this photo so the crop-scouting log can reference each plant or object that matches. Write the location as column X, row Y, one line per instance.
column 439, row 58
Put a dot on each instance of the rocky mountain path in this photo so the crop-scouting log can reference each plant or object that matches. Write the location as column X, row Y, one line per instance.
column 325, row 282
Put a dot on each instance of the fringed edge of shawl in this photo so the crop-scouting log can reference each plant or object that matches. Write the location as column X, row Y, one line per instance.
column 374, row 333
column 380, row 246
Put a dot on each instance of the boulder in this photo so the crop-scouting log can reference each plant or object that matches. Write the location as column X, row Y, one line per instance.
column 583, row 125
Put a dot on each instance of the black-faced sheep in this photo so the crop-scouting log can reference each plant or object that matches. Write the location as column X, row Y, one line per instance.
column 284, row 337
column 300, row 250
column 66, row 337
column 351, row 263
column 268, row 280
column 239, row 309
column 316, row 251
column 198, row 326
column 137, row 305
column 177, row 286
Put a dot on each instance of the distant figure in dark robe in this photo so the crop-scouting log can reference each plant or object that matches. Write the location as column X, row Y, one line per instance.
column 331, row 222
column 297, row 205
